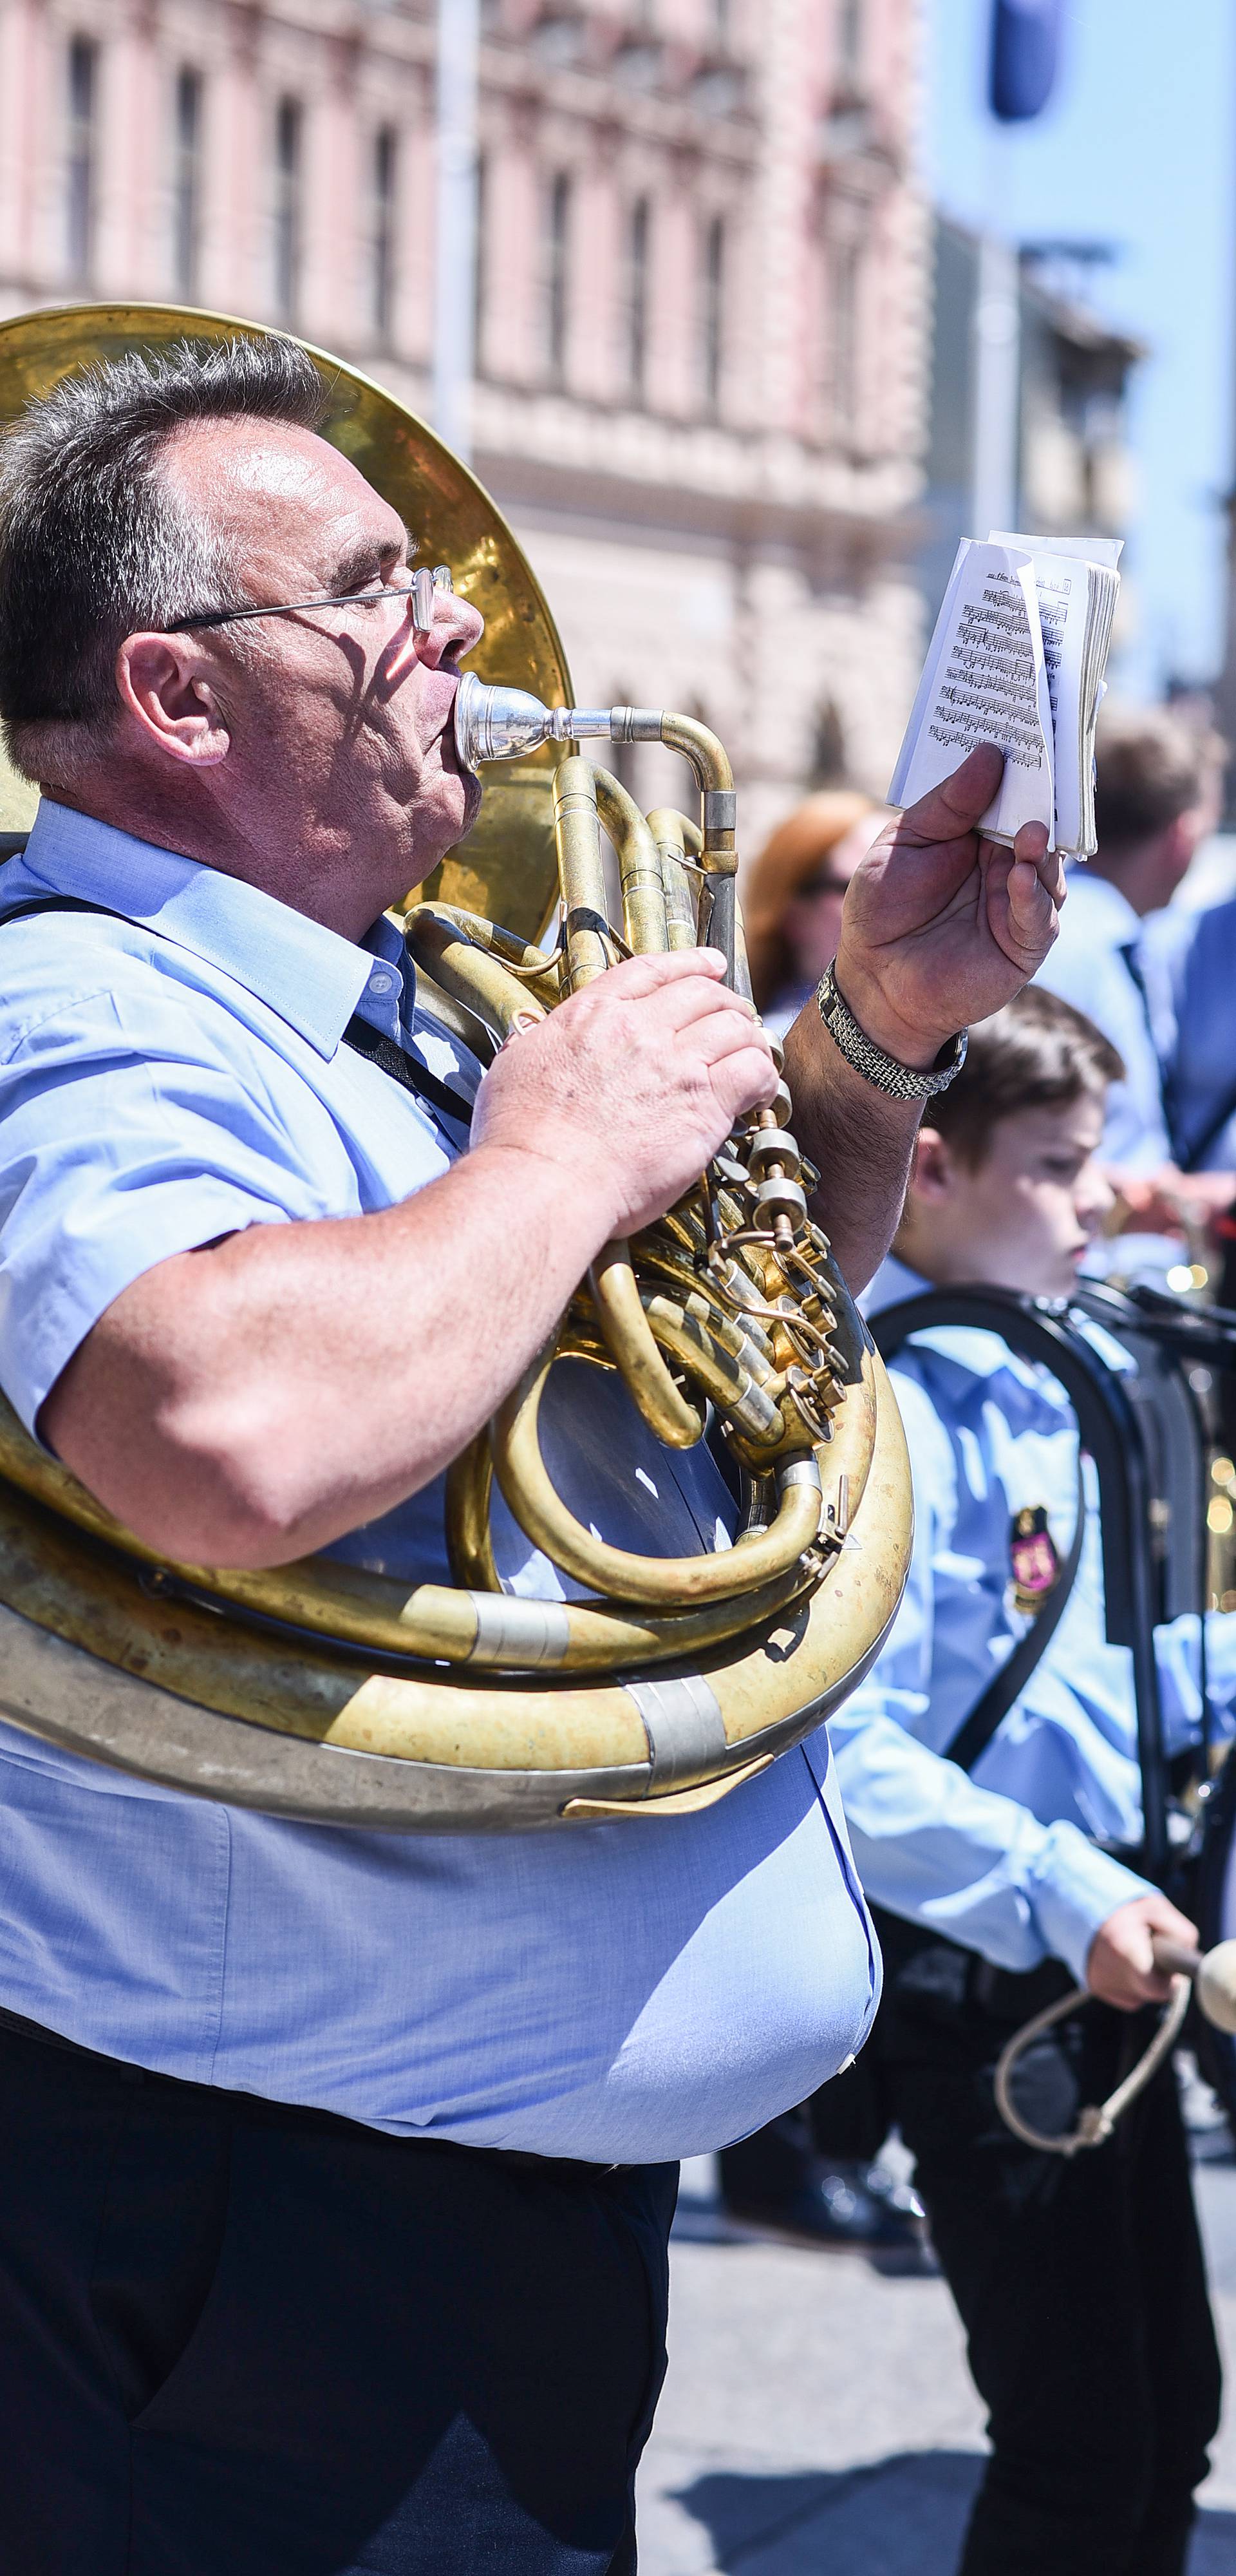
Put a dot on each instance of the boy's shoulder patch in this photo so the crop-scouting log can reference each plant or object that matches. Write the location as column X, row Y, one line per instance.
column 1034, row 1558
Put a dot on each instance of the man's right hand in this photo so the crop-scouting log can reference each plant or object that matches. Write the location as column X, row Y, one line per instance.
column 632, row 1084
column 248, row 1402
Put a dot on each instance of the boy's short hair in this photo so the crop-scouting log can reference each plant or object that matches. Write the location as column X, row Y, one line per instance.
column 1150, row 768
column 1037, row 1053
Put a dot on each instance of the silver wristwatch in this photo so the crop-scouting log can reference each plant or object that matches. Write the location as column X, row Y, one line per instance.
column 901, row 1081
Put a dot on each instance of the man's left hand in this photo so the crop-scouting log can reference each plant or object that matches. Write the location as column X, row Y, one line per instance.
column 941, row 927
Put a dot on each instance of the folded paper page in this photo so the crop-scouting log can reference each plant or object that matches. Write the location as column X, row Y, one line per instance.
column 1017, row 659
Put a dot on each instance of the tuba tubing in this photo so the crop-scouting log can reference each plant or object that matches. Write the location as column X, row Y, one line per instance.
column 323, row 1691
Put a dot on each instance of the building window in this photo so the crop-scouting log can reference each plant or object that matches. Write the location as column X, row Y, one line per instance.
column 557, row 271
column 83, row 97
column 288, row 124
column 637, row 297
column 850, row 40
column 712, row 330
column 385, row 149
column 829, row 765
column 187, row 182
column 480, row 265
column 844, row 283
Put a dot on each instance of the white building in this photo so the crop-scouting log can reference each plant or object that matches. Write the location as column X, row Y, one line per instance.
column 702, row 300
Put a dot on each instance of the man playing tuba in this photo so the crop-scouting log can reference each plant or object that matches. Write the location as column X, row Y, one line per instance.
column 338, row 2167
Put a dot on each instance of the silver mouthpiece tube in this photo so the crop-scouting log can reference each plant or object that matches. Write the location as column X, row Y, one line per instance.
column 500, row 724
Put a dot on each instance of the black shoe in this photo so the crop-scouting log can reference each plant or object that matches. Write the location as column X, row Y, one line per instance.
column 839, row 2208
column 894, row 2195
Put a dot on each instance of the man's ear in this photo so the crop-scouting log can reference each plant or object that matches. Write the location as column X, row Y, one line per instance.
column 1181, row 837
column 167, row 691
column 932, row 1176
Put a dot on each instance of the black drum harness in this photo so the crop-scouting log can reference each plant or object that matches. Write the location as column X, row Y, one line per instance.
column 1145, row 1431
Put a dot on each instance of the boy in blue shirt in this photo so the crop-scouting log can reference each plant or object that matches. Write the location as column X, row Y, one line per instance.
column 1080, row 2281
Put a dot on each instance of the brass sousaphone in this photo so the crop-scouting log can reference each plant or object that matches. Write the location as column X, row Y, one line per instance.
column 326, row 1693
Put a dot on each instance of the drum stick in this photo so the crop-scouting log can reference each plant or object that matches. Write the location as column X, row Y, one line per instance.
column 1211, row 1972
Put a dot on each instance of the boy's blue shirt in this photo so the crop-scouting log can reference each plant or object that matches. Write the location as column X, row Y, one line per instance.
column 1007, row 1862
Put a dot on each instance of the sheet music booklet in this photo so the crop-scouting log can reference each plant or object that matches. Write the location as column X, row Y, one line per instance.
column 1017, row 658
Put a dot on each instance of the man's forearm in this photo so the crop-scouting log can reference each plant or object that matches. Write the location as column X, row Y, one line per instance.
column 249, row 1403
column 252, row 1401
column 862, row 1141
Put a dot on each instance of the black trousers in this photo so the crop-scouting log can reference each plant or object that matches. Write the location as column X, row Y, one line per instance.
column 240, row 2340
column 1080, row 2281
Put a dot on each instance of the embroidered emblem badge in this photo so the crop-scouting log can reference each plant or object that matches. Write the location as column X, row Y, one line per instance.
column 1035, row 1562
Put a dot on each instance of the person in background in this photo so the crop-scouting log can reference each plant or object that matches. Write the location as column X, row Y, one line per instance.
column 793, row 898
column 1198, row 953
column 1157, row 797
column 1080, row 2280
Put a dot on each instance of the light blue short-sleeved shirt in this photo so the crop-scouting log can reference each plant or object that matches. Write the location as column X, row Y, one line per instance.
column 624, row 1993
column 1008, row 1860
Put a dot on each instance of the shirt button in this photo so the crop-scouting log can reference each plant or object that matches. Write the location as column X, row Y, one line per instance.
column 381, row 983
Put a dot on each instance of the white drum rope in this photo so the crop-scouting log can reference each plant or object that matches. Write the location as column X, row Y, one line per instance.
column 1097, row 2120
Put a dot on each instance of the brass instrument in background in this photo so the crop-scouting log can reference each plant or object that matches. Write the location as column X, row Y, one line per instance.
column 361, row 1701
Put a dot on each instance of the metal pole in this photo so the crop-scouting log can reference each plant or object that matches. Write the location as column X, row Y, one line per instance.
column 997, row 379
column 454, row 331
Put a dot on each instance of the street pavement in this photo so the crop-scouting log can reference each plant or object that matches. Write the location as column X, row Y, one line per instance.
column 818, row 2419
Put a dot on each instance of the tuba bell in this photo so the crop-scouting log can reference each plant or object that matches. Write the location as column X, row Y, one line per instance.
column 319, row 1691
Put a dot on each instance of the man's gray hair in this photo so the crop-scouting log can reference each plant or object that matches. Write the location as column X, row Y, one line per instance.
column 95, row 544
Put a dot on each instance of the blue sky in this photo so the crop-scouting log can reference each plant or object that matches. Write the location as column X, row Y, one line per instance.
column 1137, row 147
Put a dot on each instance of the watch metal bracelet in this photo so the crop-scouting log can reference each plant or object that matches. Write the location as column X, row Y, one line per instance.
column 900, row 1081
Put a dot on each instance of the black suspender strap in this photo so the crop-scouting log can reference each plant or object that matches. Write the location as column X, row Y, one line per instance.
column 1137, row 977
column 976, row 1731
column 59, row 903
column 407, row 1070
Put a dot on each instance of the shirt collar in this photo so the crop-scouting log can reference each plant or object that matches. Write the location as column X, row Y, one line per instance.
column 308, row 975
column 1105, row 908
column 894, row 1280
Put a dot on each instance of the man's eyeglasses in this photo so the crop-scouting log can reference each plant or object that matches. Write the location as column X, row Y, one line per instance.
column 419, row 588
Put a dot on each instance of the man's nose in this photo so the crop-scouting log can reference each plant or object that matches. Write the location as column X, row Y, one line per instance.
column 456, row 627
column 453, row 627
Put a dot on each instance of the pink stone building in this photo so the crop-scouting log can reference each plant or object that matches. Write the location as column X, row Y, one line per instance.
column 702, row 299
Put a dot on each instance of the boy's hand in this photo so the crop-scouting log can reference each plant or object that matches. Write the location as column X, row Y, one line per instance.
column 1120, row 1965
column 940, row 928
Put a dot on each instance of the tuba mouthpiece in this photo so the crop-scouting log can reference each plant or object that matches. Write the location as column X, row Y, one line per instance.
column 499, row 724
column 496, row 724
